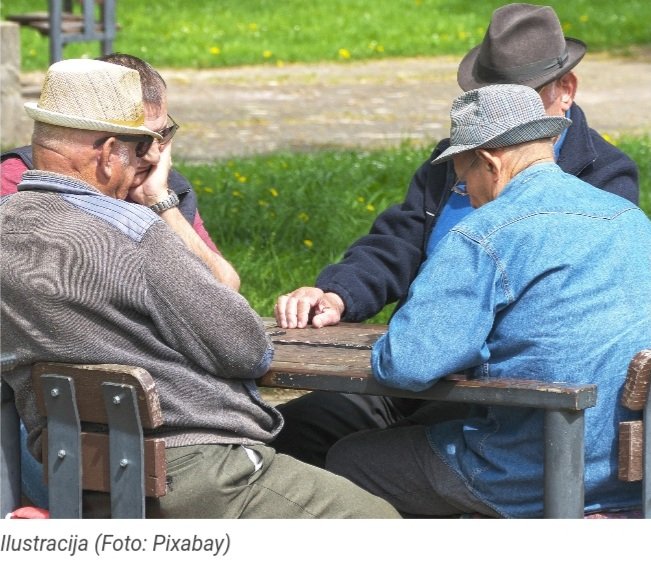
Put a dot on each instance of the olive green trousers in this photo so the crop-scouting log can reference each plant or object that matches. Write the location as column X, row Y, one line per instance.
column 223, row 482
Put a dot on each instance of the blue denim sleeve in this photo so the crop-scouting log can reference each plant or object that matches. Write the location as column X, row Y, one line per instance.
column 443, row 326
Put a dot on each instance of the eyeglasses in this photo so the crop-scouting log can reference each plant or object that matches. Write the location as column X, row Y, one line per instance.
column 459, row 186
column 143, row 142
column 168, row 132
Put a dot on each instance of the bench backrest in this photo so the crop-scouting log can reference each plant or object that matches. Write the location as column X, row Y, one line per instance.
column 96, row 436
column 635, row 436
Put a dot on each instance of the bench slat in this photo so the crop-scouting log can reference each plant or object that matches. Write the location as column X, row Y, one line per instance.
column 630, row 465
column 638, row 379
column 95, row 463
column 89, row 394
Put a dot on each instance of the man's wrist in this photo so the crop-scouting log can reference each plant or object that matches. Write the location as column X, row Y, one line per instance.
column 170, row 201
column 336, row 300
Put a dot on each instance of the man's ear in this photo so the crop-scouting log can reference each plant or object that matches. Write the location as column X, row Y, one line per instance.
column 106, row 160
column 489, row 161
column 568, row 84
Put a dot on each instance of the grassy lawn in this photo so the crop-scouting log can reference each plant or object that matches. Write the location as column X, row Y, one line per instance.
column 281, row 218
column 210, row 33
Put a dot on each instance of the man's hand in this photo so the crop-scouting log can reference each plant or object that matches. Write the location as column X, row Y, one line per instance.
column 308, row 304
column 154, row 188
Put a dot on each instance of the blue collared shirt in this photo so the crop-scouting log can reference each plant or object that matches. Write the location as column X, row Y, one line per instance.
column 551, row 280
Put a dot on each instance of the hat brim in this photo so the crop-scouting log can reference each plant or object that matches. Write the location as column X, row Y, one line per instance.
column 467, row 81
column 545, row 127
column 82, row 123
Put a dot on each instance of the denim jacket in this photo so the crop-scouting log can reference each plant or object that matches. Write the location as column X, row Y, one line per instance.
column 551, row 280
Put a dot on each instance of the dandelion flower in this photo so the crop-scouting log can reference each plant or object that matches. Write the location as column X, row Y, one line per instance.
column 215, row 50
column 344, row 53
column 267, row 53
column 308, row 243
column 273, row 191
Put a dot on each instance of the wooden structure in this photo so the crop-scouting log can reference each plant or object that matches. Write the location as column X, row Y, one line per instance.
column 63, row 24
column 99, row 417
column 635, row 436
column 338, row 359
column 79, row 452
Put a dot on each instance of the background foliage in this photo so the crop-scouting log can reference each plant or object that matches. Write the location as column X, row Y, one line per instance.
column 217, row 33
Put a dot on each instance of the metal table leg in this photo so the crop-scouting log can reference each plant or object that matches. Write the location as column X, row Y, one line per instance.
column 564, row 464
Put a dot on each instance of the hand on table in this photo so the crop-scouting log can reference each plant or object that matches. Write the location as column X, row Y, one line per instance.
column 306, row 305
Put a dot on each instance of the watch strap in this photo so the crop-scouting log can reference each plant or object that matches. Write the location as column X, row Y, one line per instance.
column 172, row 200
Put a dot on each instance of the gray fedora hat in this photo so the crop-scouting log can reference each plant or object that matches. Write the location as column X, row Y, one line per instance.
column 87, row 94
column 524, row 44
column 497, row 116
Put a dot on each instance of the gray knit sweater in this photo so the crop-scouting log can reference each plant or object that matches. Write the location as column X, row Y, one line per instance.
column 89, row 279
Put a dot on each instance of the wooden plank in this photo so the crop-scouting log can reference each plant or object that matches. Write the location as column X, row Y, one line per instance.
column 67, row 27
column 30, row 17
column 88, row 383
column 329, row 360
column 317, row 366
column 343, row 335
column 454, row 388
column 638, row 380
column 631, row 453
column 95, row 463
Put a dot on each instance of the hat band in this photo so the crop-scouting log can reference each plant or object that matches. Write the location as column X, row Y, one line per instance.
column 522, row 73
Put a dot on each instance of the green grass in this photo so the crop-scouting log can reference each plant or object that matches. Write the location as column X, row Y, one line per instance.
column 281, row 218
column 201, row 34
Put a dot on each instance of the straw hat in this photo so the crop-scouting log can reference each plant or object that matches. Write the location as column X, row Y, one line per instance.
column 87, row 94
column 524, row 44
column 498, row 116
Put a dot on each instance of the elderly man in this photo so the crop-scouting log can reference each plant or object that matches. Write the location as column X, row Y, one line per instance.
column 150, row 185
column 524, row 44
column 549, row 278
column 96, row 279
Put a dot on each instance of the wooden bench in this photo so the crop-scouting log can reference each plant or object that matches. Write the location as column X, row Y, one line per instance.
column 80, row 453
column 63, row 25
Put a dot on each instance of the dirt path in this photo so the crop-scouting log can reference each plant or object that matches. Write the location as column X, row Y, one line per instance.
column 252, row 110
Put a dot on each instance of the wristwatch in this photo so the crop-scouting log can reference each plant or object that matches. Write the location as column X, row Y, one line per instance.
column 172, row 200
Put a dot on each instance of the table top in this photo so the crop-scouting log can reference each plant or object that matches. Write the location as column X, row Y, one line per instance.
column 337, row 358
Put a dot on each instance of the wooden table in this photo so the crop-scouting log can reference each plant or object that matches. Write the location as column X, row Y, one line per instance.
column 337, row 358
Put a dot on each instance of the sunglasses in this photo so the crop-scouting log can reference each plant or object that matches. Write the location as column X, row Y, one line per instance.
column 168, row 132
column 143, row 142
